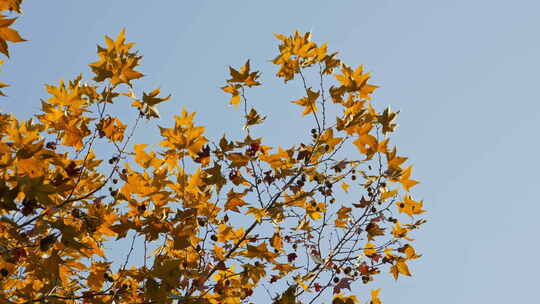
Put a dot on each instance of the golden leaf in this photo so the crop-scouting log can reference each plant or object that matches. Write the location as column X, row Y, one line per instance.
column 375, row 296
column 409, row 206
column 309, row 103
column 7, row 34
column 405, row 180
column 369, row 249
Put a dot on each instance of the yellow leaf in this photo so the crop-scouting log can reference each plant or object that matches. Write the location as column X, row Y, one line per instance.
column 259, row 213
column 345, row 187
column 235, row 100
column 284, row 268
column 366, row 144
column 375, row 296
column 244, row 76
column 343, row 213
column 409, row 206
column 314, row 209
column 388, row 194
column 234, row 200
column 410, row 253
column 280, row 36
column 301, row 283
column 260, row 251
column 394, row 161
column 7, row 34
column 276, row 241
column 403, row 268
column 394, row 271
column 369, row 249
column 11, row 5
column 405, row 180
column 309, row 103
column 400, row 232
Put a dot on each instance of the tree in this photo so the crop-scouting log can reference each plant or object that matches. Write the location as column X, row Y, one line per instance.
column 321, row 218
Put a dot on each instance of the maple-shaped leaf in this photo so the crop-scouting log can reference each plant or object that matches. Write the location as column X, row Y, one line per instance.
column 400, row 268
column 406, row 180
column 225, row 145
column 386, row 120
column 254, row 118
column 356, row 81
column 258, row 213
column 151, row 98
column 112, row 128
column 261, row 251
column 363, row 203
column 410, row 206
column 410, row 254
column 343, row 283
column 327, row 141
column 214, row 177
column 298, row 51
column 393, row 160
column 149, row 102
column 7, row 34
column 284, row 269
column 309, row 103
column 373, row 230
column 244, row 76
column 234, row 200
column 116, row 62
column 400, row 232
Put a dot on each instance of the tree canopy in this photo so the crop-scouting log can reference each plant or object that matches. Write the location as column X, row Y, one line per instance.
column 323, row 215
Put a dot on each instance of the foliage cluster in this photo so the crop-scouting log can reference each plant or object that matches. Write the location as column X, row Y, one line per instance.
column 319, row 220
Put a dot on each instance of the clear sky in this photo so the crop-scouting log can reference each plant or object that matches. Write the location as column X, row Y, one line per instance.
column 464, row 75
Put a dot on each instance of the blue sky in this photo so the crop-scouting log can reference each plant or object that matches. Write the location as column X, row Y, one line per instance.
column 464, row 75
